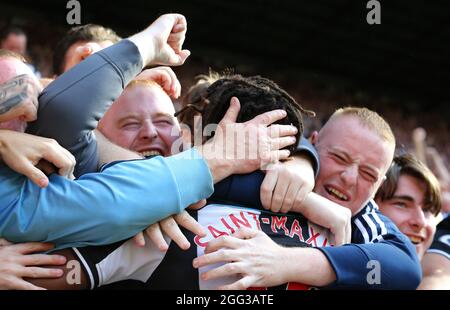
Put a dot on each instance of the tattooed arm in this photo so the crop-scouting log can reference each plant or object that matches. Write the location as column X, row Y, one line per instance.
column 19, row 98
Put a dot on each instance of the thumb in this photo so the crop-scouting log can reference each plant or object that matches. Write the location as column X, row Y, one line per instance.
column 179, row 58
column 33, row 173
column 232, row 112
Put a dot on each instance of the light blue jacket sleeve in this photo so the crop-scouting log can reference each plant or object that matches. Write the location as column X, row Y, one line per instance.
column 101, row 208
column 70, row 107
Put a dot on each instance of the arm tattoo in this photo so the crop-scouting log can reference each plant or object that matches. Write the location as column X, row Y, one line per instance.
column 13, row 92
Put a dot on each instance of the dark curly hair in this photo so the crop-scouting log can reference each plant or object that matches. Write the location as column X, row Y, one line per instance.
column 256, row 95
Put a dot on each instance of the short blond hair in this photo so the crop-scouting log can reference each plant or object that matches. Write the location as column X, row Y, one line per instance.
column 145, row 83
column 369, row 119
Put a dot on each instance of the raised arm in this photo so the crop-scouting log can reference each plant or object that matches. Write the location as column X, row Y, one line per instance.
column 88, row 89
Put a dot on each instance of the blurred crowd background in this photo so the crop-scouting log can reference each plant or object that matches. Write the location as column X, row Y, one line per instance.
column 323, row 52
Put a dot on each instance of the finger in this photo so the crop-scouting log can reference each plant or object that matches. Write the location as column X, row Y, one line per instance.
column 171, row 229
column 301, row 195
column 32, row 247
column 39, row 272
column 279, row 194
column 197, row 205
column 20, row 284
column 267, row 187
column 276, row 156
column 34, row 174
column 213, row 258
column 165, row 80
column 187, row 221
column 172, row 86
column 289, row 196
column 59, row 158
column 271, row 161
column 177, row 59
column 224, row 242
column 223, row 271
column 348, row 233
column 42, row 259
column 139, row 240
column 155, row 234
column 300, row 198
column 241, row 284
column 268, row 117
column 339, row 238
column 183, row 55
column 277, row 130
column 176, row 40
column 232, row 112
column 30, row 111
column 282, row 142
column 176, row 88
column 179, row 27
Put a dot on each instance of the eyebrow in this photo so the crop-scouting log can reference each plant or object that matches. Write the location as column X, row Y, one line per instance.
column 403, row 197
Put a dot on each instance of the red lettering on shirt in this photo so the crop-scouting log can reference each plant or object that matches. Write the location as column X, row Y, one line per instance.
column 296, row 229
column 313, row 237
column 237, row 221
column 279, row 222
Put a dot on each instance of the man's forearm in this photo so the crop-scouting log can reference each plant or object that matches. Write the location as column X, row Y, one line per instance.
column 308, row 266
column 71, row 106
column 436, row 272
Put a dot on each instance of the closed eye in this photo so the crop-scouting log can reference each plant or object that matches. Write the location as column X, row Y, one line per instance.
column 369, row 176
column 131, row 125
column 338, row 158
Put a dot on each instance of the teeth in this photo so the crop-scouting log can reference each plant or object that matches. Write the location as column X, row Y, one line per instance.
column 337, row 193
column 150, row 153
column 415, row 240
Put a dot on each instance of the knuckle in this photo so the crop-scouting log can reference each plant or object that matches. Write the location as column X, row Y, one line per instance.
column 223, row 254
column 231, row 268
column 169, row 223
column 265, row 189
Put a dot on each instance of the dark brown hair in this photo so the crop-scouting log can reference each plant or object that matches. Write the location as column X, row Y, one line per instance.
column 407, row 164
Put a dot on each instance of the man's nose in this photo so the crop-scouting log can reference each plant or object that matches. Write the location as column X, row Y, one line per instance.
column 350, row 175
column 148, row 131
column 417, row 219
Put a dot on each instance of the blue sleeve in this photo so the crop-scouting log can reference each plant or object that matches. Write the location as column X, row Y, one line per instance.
column 70, row 107
column 245, row 189
column 240, row 189
column 305, row 147
column 376, row 241
column 101, row 208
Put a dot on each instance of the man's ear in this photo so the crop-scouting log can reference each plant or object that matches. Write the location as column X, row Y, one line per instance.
column 313, row 138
